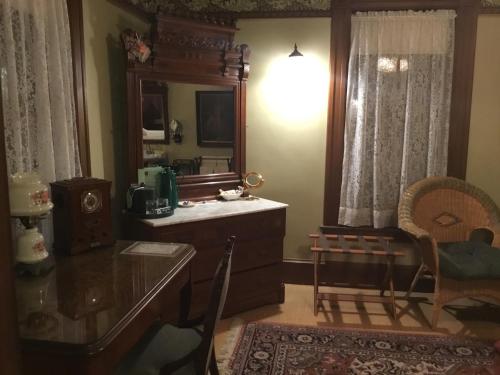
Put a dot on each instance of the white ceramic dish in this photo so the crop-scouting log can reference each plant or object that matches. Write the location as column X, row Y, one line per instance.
column 230, row 195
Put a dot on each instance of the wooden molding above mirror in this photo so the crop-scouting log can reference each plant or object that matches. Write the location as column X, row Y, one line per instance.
column 188, row 57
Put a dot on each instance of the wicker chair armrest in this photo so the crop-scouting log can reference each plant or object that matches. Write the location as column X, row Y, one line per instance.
column 425, row 242
column 412, row 229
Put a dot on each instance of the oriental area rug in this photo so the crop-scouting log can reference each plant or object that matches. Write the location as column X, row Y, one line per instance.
column 265, row 349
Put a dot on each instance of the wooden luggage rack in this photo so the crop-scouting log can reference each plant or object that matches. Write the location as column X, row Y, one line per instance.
column 354, row 244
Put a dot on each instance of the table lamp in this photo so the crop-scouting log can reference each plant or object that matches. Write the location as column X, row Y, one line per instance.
column 29, row 201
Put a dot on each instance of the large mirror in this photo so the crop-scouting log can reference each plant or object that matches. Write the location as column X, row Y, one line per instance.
column 188, row 126
column 186, row 93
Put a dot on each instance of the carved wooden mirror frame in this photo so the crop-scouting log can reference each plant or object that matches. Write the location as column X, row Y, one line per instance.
column 188, row 51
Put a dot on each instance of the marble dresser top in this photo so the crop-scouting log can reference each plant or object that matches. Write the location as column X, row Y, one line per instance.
column 214, row 210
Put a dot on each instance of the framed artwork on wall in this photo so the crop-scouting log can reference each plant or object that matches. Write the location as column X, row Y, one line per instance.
column 490, row 6
column 215, row 118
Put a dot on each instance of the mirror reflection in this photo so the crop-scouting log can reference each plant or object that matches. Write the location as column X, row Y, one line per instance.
column 188, row 126
column 154, row 112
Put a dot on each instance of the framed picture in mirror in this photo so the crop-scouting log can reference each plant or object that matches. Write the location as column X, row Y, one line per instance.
column 215, row 118
column 155, row 127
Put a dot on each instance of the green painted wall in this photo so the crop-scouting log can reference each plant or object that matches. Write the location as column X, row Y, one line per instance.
column 287, row 117
column 483, row 162
column 182, row 107
column 105, row 68
column 286, row 114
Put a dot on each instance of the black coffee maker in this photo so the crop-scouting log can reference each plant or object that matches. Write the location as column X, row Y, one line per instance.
column 137, row 196
column 154, row 202
column 143, row 202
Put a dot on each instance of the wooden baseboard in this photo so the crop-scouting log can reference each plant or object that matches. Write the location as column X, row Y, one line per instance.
column 356, row 275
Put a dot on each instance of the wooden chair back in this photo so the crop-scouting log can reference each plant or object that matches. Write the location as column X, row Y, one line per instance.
column 218, row 295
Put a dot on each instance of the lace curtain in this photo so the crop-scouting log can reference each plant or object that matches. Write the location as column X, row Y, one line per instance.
column 37, row 91
column 37, row 88
column 397, row 113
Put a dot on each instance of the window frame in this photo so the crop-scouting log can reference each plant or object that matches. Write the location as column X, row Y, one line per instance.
column 75, row 14
column 461, row 97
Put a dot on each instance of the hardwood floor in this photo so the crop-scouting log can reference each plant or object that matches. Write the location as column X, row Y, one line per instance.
column 466, row 317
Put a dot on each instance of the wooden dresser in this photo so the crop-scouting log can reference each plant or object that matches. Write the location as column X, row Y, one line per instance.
column 259, row 227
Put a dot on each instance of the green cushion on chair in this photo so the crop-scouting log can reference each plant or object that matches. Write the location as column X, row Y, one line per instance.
column 469, row 260
column 159, row 347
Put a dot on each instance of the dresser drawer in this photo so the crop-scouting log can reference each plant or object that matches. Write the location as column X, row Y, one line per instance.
column 246, row 255
column 254, row 285
column 215, row 232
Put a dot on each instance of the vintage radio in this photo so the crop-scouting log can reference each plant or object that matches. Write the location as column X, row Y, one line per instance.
column 82, row 214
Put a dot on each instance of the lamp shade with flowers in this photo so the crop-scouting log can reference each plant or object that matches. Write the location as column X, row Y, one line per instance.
column 29, row 201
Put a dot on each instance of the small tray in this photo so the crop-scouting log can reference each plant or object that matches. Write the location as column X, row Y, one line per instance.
column 185, row 204
column 161, row 249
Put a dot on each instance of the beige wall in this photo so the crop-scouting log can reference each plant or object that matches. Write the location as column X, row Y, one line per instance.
column 105, row 83
column 182, row 107
column 290, row 153
column 106, row 89
column 483, row 164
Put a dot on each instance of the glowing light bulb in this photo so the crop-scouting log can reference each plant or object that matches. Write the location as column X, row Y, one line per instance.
column 295, row 90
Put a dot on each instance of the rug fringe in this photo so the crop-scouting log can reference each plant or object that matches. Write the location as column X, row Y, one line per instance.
column 225, row 354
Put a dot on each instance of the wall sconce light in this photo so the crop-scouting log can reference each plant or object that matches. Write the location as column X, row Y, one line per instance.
column 295, row 52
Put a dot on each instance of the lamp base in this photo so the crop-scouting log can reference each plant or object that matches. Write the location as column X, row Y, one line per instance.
column 35, row 269
column 31, row 247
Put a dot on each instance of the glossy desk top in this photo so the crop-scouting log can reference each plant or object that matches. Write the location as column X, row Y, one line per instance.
column 86, row 299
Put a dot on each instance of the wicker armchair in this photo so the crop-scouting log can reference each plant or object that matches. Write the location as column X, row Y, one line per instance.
column 439, row 210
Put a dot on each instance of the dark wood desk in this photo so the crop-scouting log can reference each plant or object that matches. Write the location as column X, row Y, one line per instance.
column 89, row 311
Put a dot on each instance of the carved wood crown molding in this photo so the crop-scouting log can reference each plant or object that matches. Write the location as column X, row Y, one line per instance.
column 186, row 43
column 237, row 59
column 245, row 61
column 182, row 44
column 175, row 38
column 225, row 12
column 218, row 19
column 180, row 39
